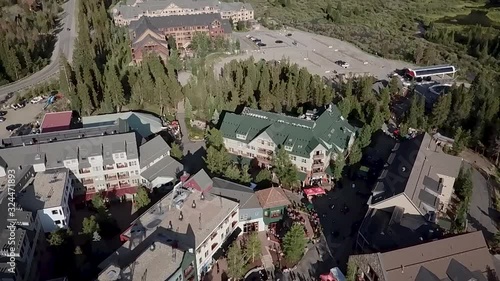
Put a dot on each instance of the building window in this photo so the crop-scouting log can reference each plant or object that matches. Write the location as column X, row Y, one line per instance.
column 133, row 163
column 293, row 158
column 54, row 212
column 206, row 254
column 303, row 169
column 304, row 160
column 57, row 222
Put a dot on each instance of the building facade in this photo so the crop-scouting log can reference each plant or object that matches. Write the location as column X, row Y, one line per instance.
column 149, row 34
column 274, row 202
column 125, row 13
column 312, row 142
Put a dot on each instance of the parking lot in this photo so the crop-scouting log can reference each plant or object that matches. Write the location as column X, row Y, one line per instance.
column 315, row 52
column 20, row 116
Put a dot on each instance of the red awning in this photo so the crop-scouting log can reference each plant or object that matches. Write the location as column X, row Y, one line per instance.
column 314, row 191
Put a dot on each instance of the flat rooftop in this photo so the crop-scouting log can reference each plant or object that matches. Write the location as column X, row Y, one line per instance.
column 56, row 120
column 45, row 190
column 158, row 262
column 190, row 232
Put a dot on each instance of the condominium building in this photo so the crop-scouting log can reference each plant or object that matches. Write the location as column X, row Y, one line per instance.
column 102, row 158
column 48, row 195
column 21, row 240
column 189, row 218
column 127, row 11
column 157, row 166
column 149, row 34
column 312, row 142
column 419, row 178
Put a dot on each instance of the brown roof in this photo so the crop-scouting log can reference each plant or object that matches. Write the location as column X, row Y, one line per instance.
column 272, row 197
column 469, row 249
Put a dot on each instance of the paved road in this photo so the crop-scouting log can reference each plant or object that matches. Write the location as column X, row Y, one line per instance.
column 65, row 44
column 194, row 151
column 481, row 211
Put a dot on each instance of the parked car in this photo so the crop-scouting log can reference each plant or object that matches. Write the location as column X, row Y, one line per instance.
column 2, row 119
column 3, row 113
column 289, row 34
column 278, row 41
column 342, row 63
column 12, row 127
column 14, row 106
column 36, row 99
column 260, row 44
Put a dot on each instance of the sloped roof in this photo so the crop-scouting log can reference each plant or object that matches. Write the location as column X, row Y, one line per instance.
column 153, row 149
column 155, row 23
column 330, row 130
column 272, row 197
column 414, row 166
column 200, row 181
column 243, row 194
column 470, row 250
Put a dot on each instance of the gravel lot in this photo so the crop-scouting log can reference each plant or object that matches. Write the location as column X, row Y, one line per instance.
column 21, row 116
column 315, row 52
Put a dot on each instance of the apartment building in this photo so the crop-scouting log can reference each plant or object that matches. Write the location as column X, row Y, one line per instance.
column 418, row 177
column 148, row 34
column 21, row 240
column 189, row 217
column 127, row 11
column 460, row 257
column 48, row 195
column 312, row 142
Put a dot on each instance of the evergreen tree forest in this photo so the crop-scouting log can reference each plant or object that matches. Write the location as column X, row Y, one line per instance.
column 26, row 37
column 100, row 79
column 469, row 115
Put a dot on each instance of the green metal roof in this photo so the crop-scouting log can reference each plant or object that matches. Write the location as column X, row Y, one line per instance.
column 330, row 129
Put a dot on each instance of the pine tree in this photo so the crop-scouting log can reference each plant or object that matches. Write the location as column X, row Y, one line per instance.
column 236, row 262
column 253, row 247
column 141, row 198
column 113, row 90
column 232, row 172
column 188, row 109
column 338, row 167
column 284, row 168
column 441, row 110
column 245, row 175
column 84, row 96
column 176, row 151
column 355, row 154
column 365, row 136
column 294, row 243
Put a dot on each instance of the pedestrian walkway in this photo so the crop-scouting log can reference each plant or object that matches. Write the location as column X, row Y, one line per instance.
column 267, row 260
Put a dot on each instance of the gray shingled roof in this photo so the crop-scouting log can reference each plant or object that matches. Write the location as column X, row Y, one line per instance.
column 231, row 190
column 58, row 151
column 173, row 21
column 153, row 149
column 414, row 165
column 166, row 167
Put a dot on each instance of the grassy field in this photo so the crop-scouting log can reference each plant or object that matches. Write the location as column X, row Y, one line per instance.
column 390, row 28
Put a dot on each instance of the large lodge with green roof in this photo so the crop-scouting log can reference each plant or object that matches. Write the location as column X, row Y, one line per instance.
column 311, row 142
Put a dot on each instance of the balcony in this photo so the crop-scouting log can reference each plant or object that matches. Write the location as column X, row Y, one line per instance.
column 112, row 186
column 122, row 176
column 84, row 171
column 264, row 159
column 111, row 177
column 87, row 181
column 124, row 184
column 108, row 167
column 265, row 151
column 319, row 156
column 121, row 165
column 318, row 172
column 318, row 164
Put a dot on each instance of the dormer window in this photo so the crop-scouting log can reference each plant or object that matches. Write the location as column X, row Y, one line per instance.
column 241, row 137
column 288, row 148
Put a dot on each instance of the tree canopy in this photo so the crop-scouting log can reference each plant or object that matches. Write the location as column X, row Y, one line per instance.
column 294, row 243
